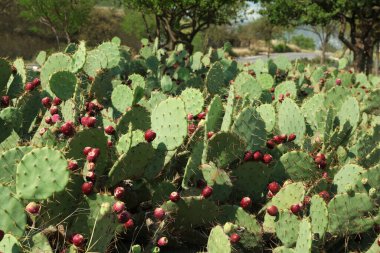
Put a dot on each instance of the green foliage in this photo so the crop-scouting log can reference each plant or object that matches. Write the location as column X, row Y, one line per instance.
column 303, row 42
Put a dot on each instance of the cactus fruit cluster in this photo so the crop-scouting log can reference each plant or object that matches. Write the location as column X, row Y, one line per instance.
column 104, row 151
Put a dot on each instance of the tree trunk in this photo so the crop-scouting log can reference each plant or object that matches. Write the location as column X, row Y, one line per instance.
column 324, row 48
column 377, row 61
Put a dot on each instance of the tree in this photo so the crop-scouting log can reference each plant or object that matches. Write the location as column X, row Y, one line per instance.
column 361, row 16
column 63, row 17
column 179, row 21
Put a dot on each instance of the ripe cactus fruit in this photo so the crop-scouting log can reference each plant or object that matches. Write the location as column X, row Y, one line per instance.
column 162, row 242
column 295, row 209
column 210, row 134
column 272, row 210
column 257, row 156
column 33, row 208
column 118, row 207
column 73, row 165
column 86, row 150
column 274, row 187
column 46, row 102
column 53, row 110
column 150, row 135
column 206, row 192
column 159, row 213
column 57, row 101
column 29, row 87
column 48, row 120
column 267, row 158
column 248, row 156
column 271, row 144
column 5, row 101
column 123, row 216
column 291, row 137
column 91, row 176
column 93, row 155
column 201, row 115
column 338, row 81
column 325, row 195
column 36, row 81
column 174, row 197
column 245, row 202
column 234, row 238
column 110, row 130
column 119, row 192
column 78, row 240
column 190, row 117
column 129, row 224
column 67, row 128
column 55, row 118
column 277, row 139
column 87, row 188
column 191, row 128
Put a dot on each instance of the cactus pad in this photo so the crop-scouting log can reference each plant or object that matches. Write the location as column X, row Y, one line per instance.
column 95, row 61
column 193, row 100
column 218, row 241
column 349, row 175
column 218, row 179
column 318, row 215
column 138, row 116
column 129, row 140
column 112, row 53
column 122, row 98
column 8, row 165
column 268, row 114
column 287, row 227
column 304, row 241
column 214, row 115
column 229, row 110
column 10, row 244
column 215, row 79
column 245, row 84
column 79, row 57
column 265, row 80
column 284, row 88
column 5, row 74
column 349, row 112
column 299, row 166
column 291, row 120
column 56, row 62
column 63, row 83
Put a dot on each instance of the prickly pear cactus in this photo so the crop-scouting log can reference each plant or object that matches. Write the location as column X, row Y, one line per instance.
column 164, row 152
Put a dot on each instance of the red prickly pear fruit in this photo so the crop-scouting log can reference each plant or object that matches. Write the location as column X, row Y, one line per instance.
column 201, row 115
column 87, row 188
column 46, row 102
column 1, row 235
column 283, row 137
column 118, row 207
column 5, row 101
column 271, row 144
column 292, row 137
column 55, row 118
column 191, row 128
column 86, row 150
column 67, row 128
column 91, row 166
column 287, row 94
column 110, row 130
column 119, row 192
column 150, row 135
column 248, row 156
column 48, row 120
column 234, row 238
column 123, row 216
column 29, row 87
column 245, row 202
column 257, row 156
column 129, row 224
column 272, row 89
column 33, row 208
column 190, row 117
column 378, row 241
column 338, row 82
column 91, row 122
column 281, row 98
column 36, row 81
column 322, row 164
column 91, row 79
column 53, row 110
column 174, row 196
column 91, row 176
column 325, row 195
column 277, row 139
column 295, row 209
column 273, row 98
column 306, row 200
column 93, row 155
column 73, row 165
column 159, row 213
column 274, row 187
column 325, row 175
column 210, row 134
column 319, row 158
column 270, row 195
column 78, row 240
column 42, row 131
column 267, row 158
column 96, row 151
column 272, row 210
column 201, row 184
column 57, row 101
column 84, row 121
column 162, row 242
column 207, row 192
column 109, row 143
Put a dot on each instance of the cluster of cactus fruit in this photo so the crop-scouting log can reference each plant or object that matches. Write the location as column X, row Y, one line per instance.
column 102, row 151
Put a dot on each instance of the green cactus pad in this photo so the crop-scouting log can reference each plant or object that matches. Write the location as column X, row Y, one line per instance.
column 347, row 79
column 291, row 120
column 5, row 74
column 41, row 173
column 156, row 97
column 138, row 116
column 304, row 241
column 40, row 244
column 215, row 79
column 79, row 57
column 299, row 166
column 161, row 191
column 250, row 127
column 29, row 105
column 9, row 139
column 129, row 140
column 268, row 114
column 373, row 176
column 239, row 217
column 251, row 179
column 284, row 88
column 349, row 112
column 112, row 53
column 311, row 107
column 318, row 215
column 229, row 110
column 170, row 124
column 122, row 98
column 196, row 61
column 10, row 244
column 12, row 117
column 192, row 166
column 13, row 219
column 349, row 175
column 191, row 211
column 102, row 86
column 94, row 138
column 218, row 241
column 282, row 62
column 287, row 227
column 345, row 212
column 131, row 165
column 246, row 85
column 56, row 62
column 265, row 80
column 62, row 84
column 224, row 148
column 193, row 100
column 137, row 81
column 41, row 58
column 95, row 61
column 214, row 115
column 371, row 102
column 8, row 164
column 375, row 246
column 335, row 97
column 218, row 180
column 283, row 249
column 166, row 83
